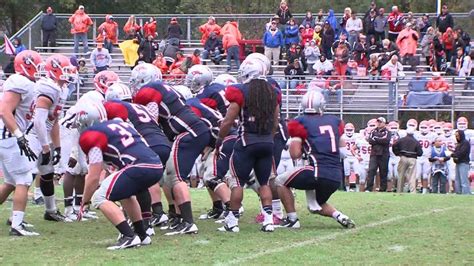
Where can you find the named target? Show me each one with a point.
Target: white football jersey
(48, 88)
(23, 112)
(350, 142)
(394, 138)
(364, 148)
(425, 141)
(449, 142)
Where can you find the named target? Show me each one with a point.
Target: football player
(449, 141)
(423, 166)
(351, 163)
(15, 152)
(318, 136)
(361, 151)
(393, 161)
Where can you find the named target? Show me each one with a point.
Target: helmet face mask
(198, 77)
(462, 123)
(59, 68)
(28, 63)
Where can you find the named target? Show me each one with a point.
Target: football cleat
(126, 242)
(184, 228)
(287, 223)
(146, 241)
(150, 231)
(24, 223)
(38, 201)
(268, 228)
(159, 219)
(212, 214)
(56, 217)
(346, 222)
(89, 215)
(21, 230)
(225, 228)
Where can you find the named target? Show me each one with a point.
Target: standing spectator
(174, 30)
(353, 27)
(345, 17)
(342, 40)
(230, 42)
(438, 55)
(19, 47)
(448, 43)
(373, 6)
(307, 34)
(213, 49)
(467, 69)
(317, 36)
(208, 27)
(311, 54)
(108, 33)
(147, 48)
(437, 83)
(341, 57)
(439, 167)
(407, 42)
(131, 28)
(379, 138)
(460, 156)
(392, 70)
(320, 19)
(369, 23)
(308, 19)
(328, 36)
(294, 74)
(423, 24)
(273, 42)
(291, 33)
(408, 149)
(48, 26)
(331, 19)
(80, 23)
(426, 42)
(171, 49)
(444, 20)
(284, 13)
(150, 28)
(395, 24)
(323, 66)
(100, 58)
(380, 24)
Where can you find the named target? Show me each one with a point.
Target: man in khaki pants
(408, 148)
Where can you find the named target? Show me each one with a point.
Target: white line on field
(319, 240)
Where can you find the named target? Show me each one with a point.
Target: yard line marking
(319, 240)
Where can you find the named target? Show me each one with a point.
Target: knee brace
(214, 183)
(47, 184)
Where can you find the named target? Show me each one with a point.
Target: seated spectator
(360, 51)
(466, 39)
(418, 82)
(213, 49)
(170, 50)
(323, 66)
(333, 86)
(174, 30)
(209, 27)
(311, 54)
(374, 67)
(82, 70)
(373, 46)
(426, 42)
(458, 42)
(100, 58)
(437, 83)
(307, 34)
(150, 28)
(309, 19)
(388, 50)
(176, 69)
(439, 167)
(327, 36)
(294, 74)
(456, 63)
(160, 63)
(291, 33)
(19, 47)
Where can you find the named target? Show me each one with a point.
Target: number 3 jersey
(120, 143)
(320, 135)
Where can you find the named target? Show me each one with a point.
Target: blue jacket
(291, 34)
(273, 41)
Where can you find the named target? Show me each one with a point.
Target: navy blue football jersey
(213, 95)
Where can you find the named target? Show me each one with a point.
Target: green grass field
(391, 229)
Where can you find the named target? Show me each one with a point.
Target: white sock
(336, 214)
(231, 220)
(267, 218)
(277, 210)
(425, 190)
(17, 218)
(37, 193)
(292, 216)
(357, 188)
(68, 210)
(347, 188)
(50, 203)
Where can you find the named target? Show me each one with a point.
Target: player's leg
(159, 216)
(426, 175)
(212, 182)
(347, 172)
(358, 170)
(279, 143)
(68, 189)
(37, 195)
(263, 168)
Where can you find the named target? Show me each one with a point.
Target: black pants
(49, 38)
(379, 36)
(379, 162)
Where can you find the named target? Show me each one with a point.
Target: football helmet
(59, 68)
(225, 80)
(93, 96)
(393, 126)
(424, 127)
(183, 91)
(438, 128)
(462, 123)
(412, 123)
(349, 129)
(448, 129)
(198, 77)
(89, 113)
(118, 91)
(313, 102)
(251, 69)
(104, 79)
(28, 63)
(142, 74)
(262, 58)
(372, 123)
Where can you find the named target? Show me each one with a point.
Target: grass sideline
(391, 229)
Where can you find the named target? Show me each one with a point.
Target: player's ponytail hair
(261, 104)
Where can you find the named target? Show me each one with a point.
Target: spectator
(391, 71)
(456, 63)
(423, 24)
(444, 20)
(379, 138)
(408, 149)
(307, 34)
(170, 50)
(360, 51)
(209, 27)
(460, 156)
(328, 36)
(19, 47)
(388, 50)
(83, 70)
(274, 19)
(80, 23)
(175, 68)
(131, 28)
(317, 34)
(195, 57)
(374, 67)
(426, 44)
(395, 24)
(150, 28)
(407, 42)
(49, 24)
(439, 167)
(448, 43)
(308, 19)
(437, 83)
(174, 30)
(100, 58)
(410, 19)
(213, 49)
(323, 66)
(284, 13)
(466, 39)
(458, 41)
(380, 24)
(294, 74)
(342, 40)
(320, 19)
(418, 82)
(147, 48)
(230, 42)
(369, 23)
(291, 33)
(343, 22)
(437, 52)
(374, 46)
(311, 54)
(353, 27)
(373, 6)
(108, 33)
(273, 42)
(332, 21)
(467, 69)
(333, 86)
(160, 62)
(341, 57)
(295, 52)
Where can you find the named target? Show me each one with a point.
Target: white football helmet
(118, 91)
(372, 123)
(412, 123)
(184, 91)
(198, 77)
(462, 123)
(448, 129)
(251, 69)
(349, 129)
(393, 126)
(89, 113)
(438, 128)
(424, 127)
(142, 74)
(313, 102)
(93, 96)
(225, 80)
(262, 58)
